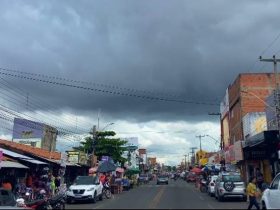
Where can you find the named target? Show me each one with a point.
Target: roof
(31, 150)
(21, 157)
(11, 164)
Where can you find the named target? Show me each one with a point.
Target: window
(275, 183)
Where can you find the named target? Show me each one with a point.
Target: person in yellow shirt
(252, 192)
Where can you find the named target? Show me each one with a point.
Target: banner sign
(73, 156)
(105, 158)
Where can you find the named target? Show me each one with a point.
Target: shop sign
(256, 155)
(105, 158)
(73, 157)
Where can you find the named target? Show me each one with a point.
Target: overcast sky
(184, 51)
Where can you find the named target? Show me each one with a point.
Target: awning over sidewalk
(22, 157)
(11, 164)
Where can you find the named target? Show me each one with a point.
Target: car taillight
(212, 184)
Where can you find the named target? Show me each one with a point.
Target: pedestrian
(259, 177)
(52, 185)
(253, 193)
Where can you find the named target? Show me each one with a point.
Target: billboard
(254, 123)
(34, 134)
(224, 106)
(26, 129)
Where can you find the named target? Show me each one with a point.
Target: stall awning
(22, 157)
(11, 164)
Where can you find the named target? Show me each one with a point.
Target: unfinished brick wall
(247, 94)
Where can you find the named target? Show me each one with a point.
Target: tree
(105, 145)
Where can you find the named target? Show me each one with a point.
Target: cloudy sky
(154, 68)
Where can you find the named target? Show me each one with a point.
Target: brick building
(247, 94)
(245, 99)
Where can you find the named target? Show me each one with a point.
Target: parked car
(143, 178)
(211, 185)
(230, 185)
(85, 188)
(271, 196)
(162, 179)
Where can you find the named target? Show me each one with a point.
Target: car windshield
(85, 180)
(161, 177)
(232, 178)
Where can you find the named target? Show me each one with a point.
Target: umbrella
(132, 171)
(106, 166)
(196, 170)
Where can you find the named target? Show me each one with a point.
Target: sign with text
(73, 156)
(105, 158)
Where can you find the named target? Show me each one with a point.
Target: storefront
(261, 151)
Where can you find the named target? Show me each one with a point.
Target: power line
(9, 88)
(108, 91)
(90, 83)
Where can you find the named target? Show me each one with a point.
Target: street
(177, 195)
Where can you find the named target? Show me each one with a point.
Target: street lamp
(107, 126)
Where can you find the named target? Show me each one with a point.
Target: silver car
(230, 185)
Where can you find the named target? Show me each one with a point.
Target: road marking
(157, 198)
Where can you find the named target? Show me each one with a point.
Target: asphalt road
(177, 195)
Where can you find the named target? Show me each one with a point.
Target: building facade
(243, 117)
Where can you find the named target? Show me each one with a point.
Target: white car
(271, 196)
(211, 185)
(85, 188)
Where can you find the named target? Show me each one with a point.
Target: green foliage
(105, 145)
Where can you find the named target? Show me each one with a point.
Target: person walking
(253, 193)
(259, 178)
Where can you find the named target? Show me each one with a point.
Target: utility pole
(185, 162)
(192, 152)
(93, 142)
(200, 136)
(276, 93)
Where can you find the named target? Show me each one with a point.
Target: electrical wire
(109, 92)
(10, 88)
(90, 83)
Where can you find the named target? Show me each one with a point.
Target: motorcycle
(58, 201)
(107, 190)
(203, 186)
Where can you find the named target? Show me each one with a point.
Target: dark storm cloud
(187, 48)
